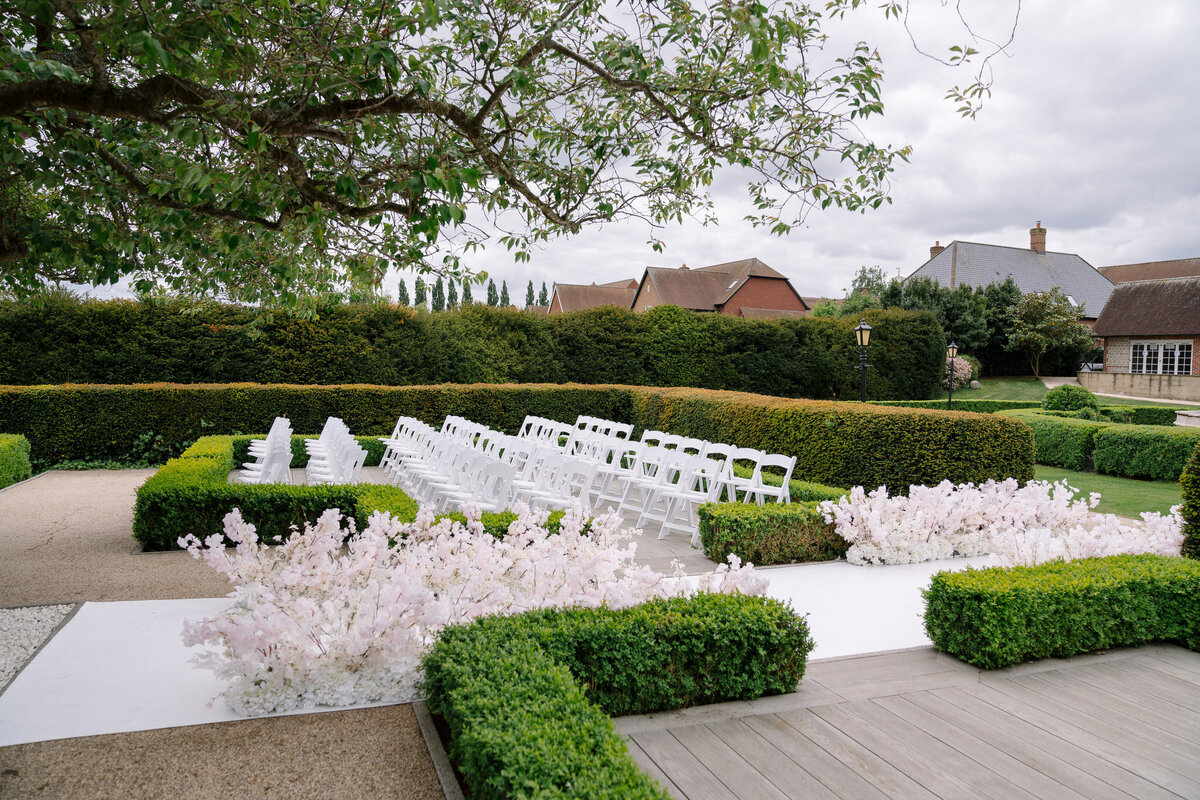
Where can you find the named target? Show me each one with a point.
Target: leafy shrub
(14, 459)
(1069, 398)
(1189, 482)
(836, 444)
(1157, 452)
(962, 373)
(517, 692)
(1061, 441)
(1002, 616)
(976, 366)
(768, 534)
(1140, 415)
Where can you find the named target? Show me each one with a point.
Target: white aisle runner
(121, 666)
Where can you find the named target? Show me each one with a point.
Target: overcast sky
(1092, 128)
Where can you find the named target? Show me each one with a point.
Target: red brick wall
(758, 292)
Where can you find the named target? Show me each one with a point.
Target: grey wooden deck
(919, 724)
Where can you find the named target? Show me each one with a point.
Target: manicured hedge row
(1061, 441)
(1002, 616)
(1157, 452)
(525, 697)
(768, 534)
(1140, 415)
(836, 444)
(14, 459)
(62, 340)
(192, 495)
(1189, 482)
(849, 444)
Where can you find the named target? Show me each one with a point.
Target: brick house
(747, 288)
(1151, 333)
(1034, 269)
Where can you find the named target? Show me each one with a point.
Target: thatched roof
(1152, 308)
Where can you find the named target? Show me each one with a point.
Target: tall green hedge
(836, 444)
(1189, 482)
(14, 459)
(64, 340)
(1061, 441)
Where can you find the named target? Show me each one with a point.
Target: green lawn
(1003, 389)
(1032, 389)
(1123, 496)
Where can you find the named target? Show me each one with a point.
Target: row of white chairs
(335, 456)
(272, 456)
(664, 477)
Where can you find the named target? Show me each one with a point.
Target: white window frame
(1158, 359)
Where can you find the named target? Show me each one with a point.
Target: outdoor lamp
(951, 352)
(863, 334)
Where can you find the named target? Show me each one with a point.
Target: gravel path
(22, 632)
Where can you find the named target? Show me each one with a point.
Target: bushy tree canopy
(1043, 321)
(271, 149)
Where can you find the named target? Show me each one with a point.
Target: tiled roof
(773, 313)
(699, 290)
(708, 288)
(982, 264)
(538, 309)
(1152, 270)
(576, 297)
(1152, 308)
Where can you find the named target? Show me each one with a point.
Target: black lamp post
(862, 334)
(951, 352)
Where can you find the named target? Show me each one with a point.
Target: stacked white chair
(335, 456)
(272, 456)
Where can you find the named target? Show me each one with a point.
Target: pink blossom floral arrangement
(1038, 522)
(334, 617)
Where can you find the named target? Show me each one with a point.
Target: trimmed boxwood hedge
(998, 617)
(768, 534)
(1156, 452)
(525, 697)
(1189, 482)
(836, 444)
(192, 494)
(14, 459)
(1061, 441)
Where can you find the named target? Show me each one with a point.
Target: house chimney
(1037, 238)
(685, 266)
(937, 248)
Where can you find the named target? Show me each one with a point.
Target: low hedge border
(192, 494)
(1154, 452)
(1189, 482)
(835, 444)
(769, 534)
(526, 697)
(998, 617)
(14, 459)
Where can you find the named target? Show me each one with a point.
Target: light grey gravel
(22, 632)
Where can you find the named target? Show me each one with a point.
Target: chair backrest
(496, 484)
(776, 460)
(652, 437)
